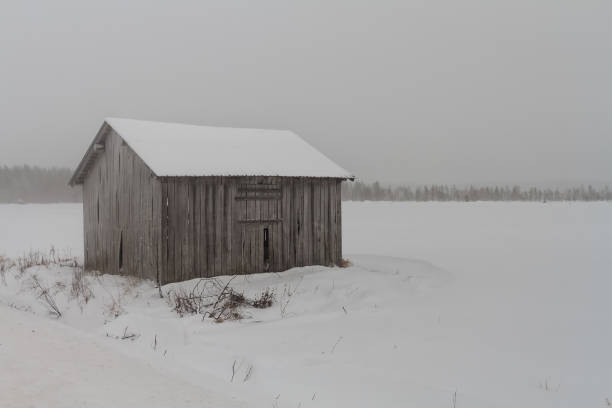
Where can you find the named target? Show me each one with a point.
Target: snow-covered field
(446, 305)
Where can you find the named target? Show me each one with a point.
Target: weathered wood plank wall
(214, 226)
(122, 213)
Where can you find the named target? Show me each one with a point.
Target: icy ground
(446, 304)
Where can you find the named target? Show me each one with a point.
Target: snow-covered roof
(172, 149)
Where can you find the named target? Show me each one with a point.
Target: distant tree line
(31, 184)
(359, 191)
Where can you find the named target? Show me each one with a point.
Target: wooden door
(256, 247)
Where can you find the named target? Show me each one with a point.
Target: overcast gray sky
(400, 91)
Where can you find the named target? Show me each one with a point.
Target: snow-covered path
(47, 364)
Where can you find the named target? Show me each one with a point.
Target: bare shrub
(265, 299)
(79, 287)
(197, 300)
(44, 293)
(184, 303)
(227, 308)
(220, 302)
(226, 304)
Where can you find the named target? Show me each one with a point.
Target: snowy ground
(490, 304)
(47, 364)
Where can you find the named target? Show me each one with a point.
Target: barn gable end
(122, 212)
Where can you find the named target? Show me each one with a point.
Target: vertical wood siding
(214, 226)
(122, 205)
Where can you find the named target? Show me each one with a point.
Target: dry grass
(125, 336)
(129, 285)
(345, 263)
(213, 299)
(5, 265)
(287, 295)
(39, 258)
(264, 300)
(248, 370)
(31, 259)
(114, 308)
(79, 287)
(46, 294)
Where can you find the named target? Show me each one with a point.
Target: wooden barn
(171, 202)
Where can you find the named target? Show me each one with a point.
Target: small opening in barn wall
(266, 243)
(121, 251)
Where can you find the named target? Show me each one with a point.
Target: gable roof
(174, 150)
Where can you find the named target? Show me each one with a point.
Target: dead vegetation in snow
(244, 367)
(213, 299)
(5, 265)
(46, 294)
(345, 263)
(40, 258)
(28, 271)
(80, 288)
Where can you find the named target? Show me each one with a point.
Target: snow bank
(298, 348)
